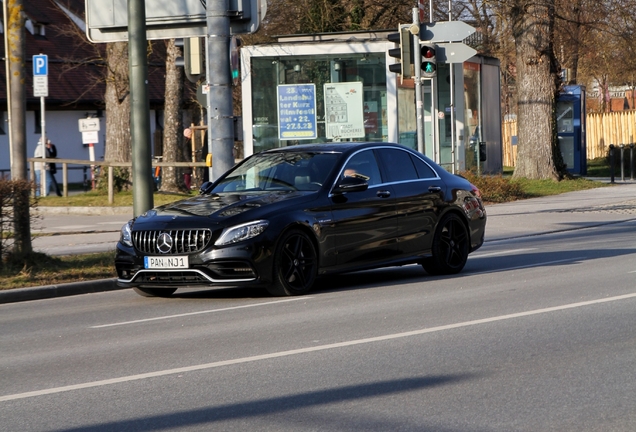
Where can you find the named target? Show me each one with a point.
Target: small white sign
(40, 86)
(344, 111)
(91, 137)
(89, 125)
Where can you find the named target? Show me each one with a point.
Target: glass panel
(407, 125)
(472, 132)
(423, 170)
(566, 144)
(444, 119)
(279, 171)
(363, 165)
(565, 117)
(398, 165)
(269, 72)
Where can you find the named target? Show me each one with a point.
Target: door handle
(383, 194)
(434, 189)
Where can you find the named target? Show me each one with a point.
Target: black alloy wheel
(295, 265)
(155, 292)
(450, 247)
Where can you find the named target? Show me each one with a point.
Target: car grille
(183, 241)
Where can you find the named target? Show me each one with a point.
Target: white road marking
(199, 312)
(293, 352)
(501, 253)
(526, 266)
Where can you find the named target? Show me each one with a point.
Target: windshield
(290, 171)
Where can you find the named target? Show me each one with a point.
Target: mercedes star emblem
(164, 243)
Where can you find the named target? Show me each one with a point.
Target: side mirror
(204, 187)
(351, 184)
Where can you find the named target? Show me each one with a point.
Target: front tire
(295, 265)
(450, 247)
(155, 292)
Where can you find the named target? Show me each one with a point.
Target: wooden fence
(103, 165)
(603, 129)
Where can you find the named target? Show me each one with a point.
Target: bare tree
(173, 120)
(16, 38)
(117, 98)
(539, 156)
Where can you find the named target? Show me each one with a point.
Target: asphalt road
(535, 335)
(64, 234)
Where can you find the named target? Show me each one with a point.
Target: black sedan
(282, 218)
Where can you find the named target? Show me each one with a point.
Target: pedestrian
(188, 134)
(39, 153)
(51, 152)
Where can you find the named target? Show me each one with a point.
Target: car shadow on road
(347, 281)
(289, 405)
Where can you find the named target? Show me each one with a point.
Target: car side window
(398, 165)
(423, 170)
(365, 166)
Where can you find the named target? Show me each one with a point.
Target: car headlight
(241, 232)
(126, 234)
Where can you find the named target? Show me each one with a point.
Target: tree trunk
(118, 146)
(538, 156)
(171, 181)
(16, 37)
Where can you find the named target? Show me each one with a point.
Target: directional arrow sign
(453, 52)
(445, 31)
(89, 124)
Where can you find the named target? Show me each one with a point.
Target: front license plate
(172, 262)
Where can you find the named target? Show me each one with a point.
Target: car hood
(216, 208)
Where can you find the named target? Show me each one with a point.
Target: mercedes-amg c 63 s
(280, 219)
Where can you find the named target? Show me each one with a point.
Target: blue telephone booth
(571, 128)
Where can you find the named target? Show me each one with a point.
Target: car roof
(343, 147)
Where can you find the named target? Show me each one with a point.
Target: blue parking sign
(40, 65)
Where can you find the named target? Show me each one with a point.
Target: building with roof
(75, 82)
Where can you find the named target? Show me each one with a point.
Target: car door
(364, 224)
(418, 192)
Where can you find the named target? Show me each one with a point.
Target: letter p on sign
(40, 65)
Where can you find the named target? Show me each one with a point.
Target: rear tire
(450, 247)
(295, 265)
(155, 292)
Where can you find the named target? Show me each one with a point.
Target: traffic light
(404, 52)
(429, 61)
(192, 60)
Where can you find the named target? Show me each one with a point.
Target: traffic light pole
(143, 186)
(220, 111)
(419, 104)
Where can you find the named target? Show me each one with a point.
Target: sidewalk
(565, 212)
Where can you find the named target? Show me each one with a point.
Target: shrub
(12, 193)
(495, 188)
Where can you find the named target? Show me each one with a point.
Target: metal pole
(611, 156)
(451, 67)
(622, 162)
(140, 108)
(434, 119)
(631, 161)
(43, 186)
(7, 74)
(220, 111)
(417, 63)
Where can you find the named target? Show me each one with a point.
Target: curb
(99, 211)
(60, 290)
